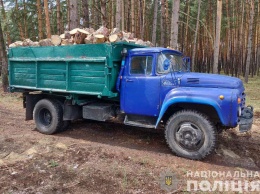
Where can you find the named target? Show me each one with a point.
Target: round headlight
(239, 111)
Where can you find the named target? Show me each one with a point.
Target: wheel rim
(45, 117)
(189, 136)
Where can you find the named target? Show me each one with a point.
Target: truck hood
(209, 81)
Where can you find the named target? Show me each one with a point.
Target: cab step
(140, 121)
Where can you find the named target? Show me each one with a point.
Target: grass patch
(252, 93)
(9, 98)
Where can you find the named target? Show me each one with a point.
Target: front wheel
(190, 134)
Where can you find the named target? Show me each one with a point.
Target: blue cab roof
(153, 50)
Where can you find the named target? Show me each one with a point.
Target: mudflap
(29, 101)
(246, 119)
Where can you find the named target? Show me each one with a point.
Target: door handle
(129, 80)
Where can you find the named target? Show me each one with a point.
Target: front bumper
(245, 121)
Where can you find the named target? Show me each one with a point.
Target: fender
(199, 96)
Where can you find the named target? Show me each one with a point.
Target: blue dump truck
(135, 85)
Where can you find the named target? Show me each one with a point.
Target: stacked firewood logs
(85, 36)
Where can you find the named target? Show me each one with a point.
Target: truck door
(141, 87)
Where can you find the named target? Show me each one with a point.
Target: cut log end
(56, 40)
(89, 39)
(62, 36)
(113, 38)
(79, 38)
(67, 42)
(99, 38)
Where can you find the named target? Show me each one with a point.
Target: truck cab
(158, 89)
(138, 86)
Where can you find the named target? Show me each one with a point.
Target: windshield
(176, 63)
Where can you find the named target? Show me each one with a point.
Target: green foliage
(25, 13)
(53, 163)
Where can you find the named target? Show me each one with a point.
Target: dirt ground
(95, 157)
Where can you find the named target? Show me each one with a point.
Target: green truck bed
(78, 69)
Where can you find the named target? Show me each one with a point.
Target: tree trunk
(141, 19)
(95, 13)
(85, 6)
(255, 38)
(234, 49)
(25, 20)
(6, 23)
(137, 22)
(236, 45)
(112, 14)
(73, 9)
(217, 39)
(174, 24)
(155, 22)
(250, 36)
(123, 15)
(20, 27)
(47, 18)
(143, 7)
(168, 23)
(39, 13)
(132, 17)
(163, 23)
(118, 13)
(3, 56)
(258, 43)
(227, 48)
(195, 38)
(187, 27)
(211, 25)
(68, 14)
(58, 17)
(245, 34)
(104, 13)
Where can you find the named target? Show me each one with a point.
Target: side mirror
(166, 64)
(124, 52)
(186, 62)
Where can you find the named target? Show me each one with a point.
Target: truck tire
(47, 115)
(190, 134)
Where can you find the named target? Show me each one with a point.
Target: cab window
(176, 63)
(141, 65)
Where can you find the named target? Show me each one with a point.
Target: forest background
(220, 36)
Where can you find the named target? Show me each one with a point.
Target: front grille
(243, 100)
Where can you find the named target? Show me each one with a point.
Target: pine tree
(217, 37)
(47, 18)
(73, 14)
(175, 24)
(3, 56)
(39, 14)
(250, 37)
(155, 22)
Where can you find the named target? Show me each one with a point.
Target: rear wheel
(190, 134)
(48, 115)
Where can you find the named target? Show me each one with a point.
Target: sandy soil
(95, 157)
